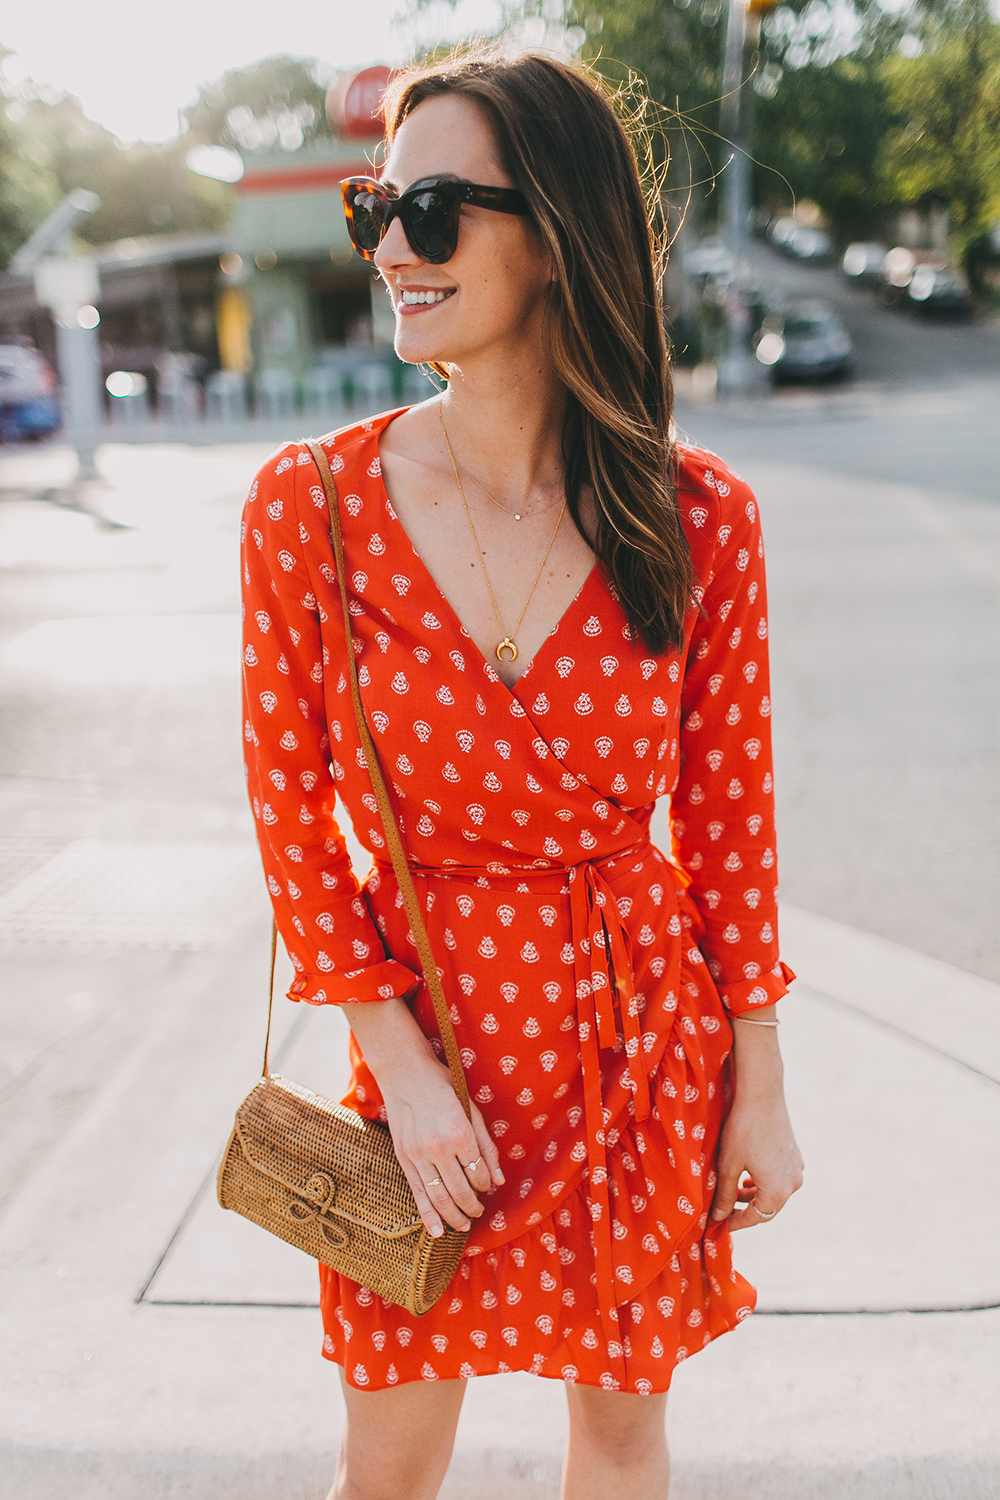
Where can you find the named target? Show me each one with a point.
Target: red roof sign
(355, 105)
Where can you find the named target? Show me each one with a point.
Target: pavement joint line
(771, 1312)
(856, 1010)
(860, 1311)
(61, 1044)
(141, 1299)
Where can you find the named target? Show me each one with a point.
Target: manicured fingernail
(719, 1213)
(499, 1178)
(437, 1231)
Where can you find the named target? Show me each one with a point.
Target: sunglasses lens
(368, 225)
(428, 225)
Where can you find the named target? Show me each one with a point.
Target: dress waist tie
(607, 1007)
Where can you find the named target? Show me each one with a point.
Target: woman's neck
(505, 425)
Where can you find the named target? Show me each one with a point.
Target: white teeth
(411, 298)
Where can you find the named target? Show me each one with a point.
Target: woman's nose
(395, 250)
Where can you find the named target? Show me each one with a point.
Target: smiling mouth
(426, 296)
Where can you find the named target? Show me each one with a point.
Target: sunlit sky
(133, 66)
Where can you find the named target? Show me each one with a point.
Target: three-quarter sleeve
(319, 907)
(722, 809)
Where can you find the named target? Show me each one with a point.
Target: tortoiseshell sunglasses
(428, 211)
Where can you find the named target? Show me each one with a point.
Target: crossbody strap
(404, 878)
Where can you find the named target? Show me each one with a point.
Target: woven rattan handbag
(316, 1173)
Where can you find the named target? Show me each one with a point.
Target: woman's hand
(444, 1155)
(757, 1137)
(447, 1158)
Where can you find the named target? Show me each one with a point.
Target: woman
(559, 616)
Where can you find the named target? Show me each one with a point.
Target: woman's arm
(431, 1135)
(324, 922)
(757, 1137)
(335, 948)
(723, 822)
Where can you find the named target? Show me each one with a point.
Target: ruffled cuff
(751, 994)
(381, 981)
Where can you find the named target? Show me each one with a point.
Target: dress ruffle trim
(380, 981)
(751, 994)
(519, 1307)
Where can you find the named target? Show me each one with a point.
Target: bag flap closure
(336, 1163)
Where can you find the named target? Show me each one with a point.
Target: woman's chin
(414, 350)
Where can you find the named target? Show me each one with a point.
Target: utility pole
(738, 370)
(68, 285)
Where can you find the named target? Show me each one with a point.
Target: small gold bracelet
(754, 1023)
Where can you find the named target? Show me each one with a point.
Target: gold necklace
(507, 644)
(515, 513)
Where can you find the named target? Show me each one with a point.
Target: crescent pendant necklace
(507, 645)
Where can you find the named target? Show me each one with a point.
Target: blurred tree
(819, 135)
(145, 189)
(814, 94)
(279, 101)
(944, 89)
(29, 188)
(48, 147)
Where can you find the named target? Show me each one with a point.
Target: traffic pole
(738, 369)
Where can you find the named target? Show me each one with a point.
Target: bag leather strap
(411, 903)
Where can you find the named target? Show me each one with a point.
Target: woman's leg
(397, 1443)
(617, 1446)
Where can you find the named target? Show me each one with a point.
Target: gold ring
(434, 1182)
(761, 1214)
(473, 1164)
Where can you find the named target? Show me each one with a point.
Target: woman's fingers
(429, 1216)
(435, 1200)
(757, 1210)
(727, 1193)
(489, 1163)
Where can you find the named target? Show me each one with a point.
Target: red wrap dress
(590, 974)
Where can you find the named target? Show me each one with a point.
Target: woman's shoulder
(351, 450)
(716, 504)
(706, 480)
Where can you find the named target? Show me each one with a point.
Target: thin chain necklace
(507, 644)
(518, 515)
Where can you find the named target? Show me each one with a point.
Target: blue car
(29, 405)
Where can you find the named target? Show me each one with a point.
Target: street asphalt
(151, 1345)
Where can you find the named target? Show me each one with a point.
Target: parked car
(800, 241)
(932, 290)
(862, 262)
(898, 270)
(779, 231)
(809, 244)
(29, 405)
(804, 341)
(710, 258)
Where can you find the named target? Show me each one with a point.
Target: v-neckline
(459, 628)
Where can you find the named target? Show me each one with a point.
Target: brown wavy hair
(565, 147)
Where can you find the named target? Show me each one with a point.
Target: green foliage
(29, 189)
(839, 114)
(279, 101)
(819, 136)
(48, 147)
(816, 113)
(144, 189)
(946, 139)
